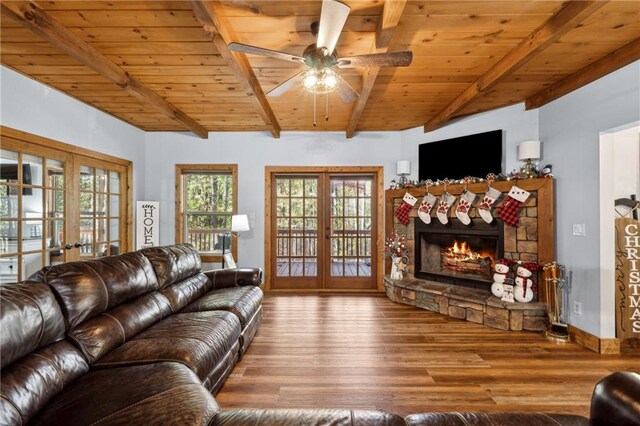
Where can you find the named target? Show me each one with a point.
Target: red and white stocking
(446, 200)
(489, 199)
(464, 205)
(402, 212)
(511, 206)
(424, 211)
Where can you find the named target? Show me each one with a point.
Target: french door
(323, 230)
(57, 205)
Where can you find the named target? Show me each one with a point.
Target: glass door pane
(101, 218)
(296, 237)
(350, 232)
(32, 210)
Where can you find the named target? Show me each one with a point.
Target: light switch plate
(579, 230)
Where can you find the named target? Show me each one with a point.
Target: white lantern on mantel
(403, 169)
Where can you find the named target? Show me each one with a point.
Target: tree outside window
(207, 200)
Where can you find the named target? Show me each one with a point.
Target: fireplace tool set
(555, 282)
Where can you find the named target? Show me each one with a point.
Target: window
(206, 198)
(59, 204)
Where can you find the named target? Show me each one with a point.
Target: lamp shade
(239, 223)
(403, 167)
(529, 150)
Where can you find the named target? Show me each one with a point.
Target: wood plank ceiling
(457, 45)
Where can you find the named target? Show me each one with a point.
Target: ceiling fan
(322, 59)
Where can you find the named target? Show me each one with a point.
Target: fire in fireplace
(461, 258)
(458, 254)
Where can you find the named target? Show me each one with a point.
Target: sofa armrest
(616, 400)
(237, 277)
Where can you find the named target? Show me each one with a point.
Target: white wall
(570, 128)
(35, 108)
(619, 178)
(252, 151)
(518, 125)
(626, 171)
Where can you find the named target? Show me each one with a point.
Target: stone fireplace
(531, 241)
(450, 270)
(458, 254)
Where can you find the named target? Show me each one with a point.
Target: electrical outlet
(579, 230)
(577, 308)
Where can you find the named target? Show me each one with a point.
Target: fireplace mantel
(536, 218)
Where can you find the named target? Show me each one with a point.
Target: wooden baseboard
(594, 343)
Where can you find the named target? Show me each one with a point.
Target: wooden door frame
(76, 152)
(378, 239)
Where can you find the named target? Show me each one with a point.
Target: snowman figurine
(523, 291)
(497, 288)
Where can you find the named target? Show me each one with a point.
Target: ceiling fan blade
(346, 92)
(253, 50)
(390, 59)
(332, 19)
(285, 85)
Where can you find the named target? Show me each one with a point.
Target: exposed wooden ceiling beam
(570, 15)
(391, 13)
(38, 21)
(213, 22)
(617, 59)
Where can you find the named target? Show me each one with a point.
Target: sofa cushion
(36, 362)
(173, 263)
(198, 340)
(243, 302)
(88, 288)
(183, 292)
(27, 385)
(492, 419)
(101, 334)
(307, 417)
(36, 311)
(163, 393)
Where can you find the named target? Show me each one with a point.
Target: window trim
(184, 169)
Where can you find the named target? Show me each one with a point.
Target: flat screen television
(473, 155)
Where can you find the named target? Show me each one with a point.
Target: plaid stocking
(402, 213)
(510, 207)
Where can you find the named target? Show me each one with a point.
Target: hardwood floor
(366, 352)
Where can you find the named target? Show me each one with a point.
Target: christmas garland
(514, 175)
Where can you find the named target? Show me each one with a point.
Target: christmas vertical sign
(627, 278)
(147, 224)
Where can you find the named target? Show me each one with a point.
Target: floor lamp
(239, 223)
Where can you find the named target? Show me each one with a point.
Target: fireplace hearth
(458, 254)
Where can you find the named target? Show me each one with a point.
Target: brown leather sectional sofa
(147, 338)
(143, 337)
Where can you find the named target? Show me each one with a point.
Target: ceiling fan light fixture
(320, 80)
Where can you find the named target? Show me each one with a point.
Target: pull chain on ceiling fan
(322, 59)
